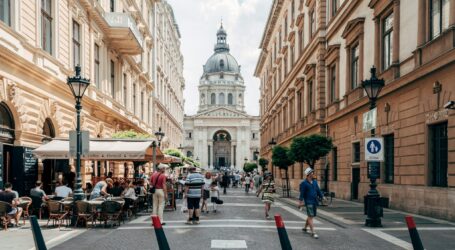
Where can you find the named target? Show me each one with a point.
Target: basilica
(221, 135)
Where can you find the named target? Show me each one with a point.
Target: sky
(199, 20)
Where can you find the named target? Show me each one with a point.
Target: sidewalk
(22, 237)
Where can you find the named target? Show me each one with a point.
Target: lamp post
(78, 85)
(272, 143)
(159, 136)
(372, 204)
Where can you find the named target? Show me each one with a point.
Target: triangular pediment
(222, 112)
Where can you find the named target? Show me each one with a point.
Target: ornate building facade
(168, 76)
(40, 44)
(315, 55)
(221, 134)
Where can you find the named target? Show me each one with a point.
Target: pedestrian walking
(159, 190)
(194, 188)
(257, 179)
(206, 192)
(309, 193)
(268, 190)
(247, 183)
(225, 182)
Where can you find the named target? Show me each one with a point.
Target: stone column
(40, 169)
(102, 169)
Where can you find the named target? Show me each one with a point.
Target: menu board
(1, 165)
(30, 169)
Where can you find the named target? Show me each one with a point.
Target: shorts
(214, 199)
(311, 210)
(15, 210)
(206, 194)
(193, 203)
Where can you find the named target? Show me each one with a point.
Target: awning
(102, 149)
(171, 159)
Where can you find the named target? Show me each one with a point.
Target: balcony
(123, 33)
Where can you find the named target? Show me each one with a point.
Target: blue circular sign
(374, 147)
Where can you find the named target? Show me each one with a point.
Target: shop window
(356, 152)
(439, 154)
(389, 158)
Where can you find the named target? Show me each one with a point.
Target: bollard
(37, 235)
(284, 239)
(159, 232)
(415, 238)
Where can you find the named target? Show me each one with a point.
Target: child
(214, 194)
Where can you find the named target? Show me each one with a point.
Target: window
(439, 17)
(312, 22)
(149, 105)
(142, 105)
(354, 66)
(389, 158)
(310, 97)
(356, 152)
(301, 42)
(292, 55)
(213, 99)
(300, 104)
(112, 6)
(221, 99)
(387, 41)
(97, 65)
(125, 89)
(76, 44)
(134, 98)
(334, 6)
(439, 154)
(5, 11)
(112, 78)
(230, 99)
(189, 135)
(46, 25)
(335, 164)
(285, 26)
(292, 9)
(254, 135)
(333, 81)
(279, 40)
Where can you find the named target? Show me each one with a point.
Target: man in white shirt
(63, 190)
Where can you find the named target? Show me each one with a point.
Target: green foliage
(280, 157)
(192, 162)
(175, 153)
(309, 149)
(130, 134)
(263, 162)
(249, 167)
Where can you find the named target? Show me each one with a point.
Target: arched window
(221, 99)
(48, 128)
(189, 154)
(213, 99)
(230, 99)
(6, 124)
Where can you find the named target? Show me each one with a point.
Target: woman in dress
(267, 189)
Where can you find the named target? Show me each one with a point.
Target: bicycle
(327, 199)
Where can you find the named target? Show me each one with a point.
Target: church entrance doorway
(222, 149)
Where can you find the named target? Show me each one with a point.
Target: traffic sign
(369, 120)
(374, 149)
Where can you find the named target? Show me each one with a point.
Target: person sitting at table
(117, 190)
(100, 188)
(38, 192)
(63, 190)
(10, 197)
(129, 192)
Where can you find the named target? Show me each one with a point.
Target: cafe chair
(25, 205)
(111, 211)
(84, 213)
(4, 218)
(56, 214)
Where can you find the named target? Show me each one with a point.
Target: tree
(130, 134)
(249, 167)
(175, 153)
(263, 163)
(280, 158)
(309, 149)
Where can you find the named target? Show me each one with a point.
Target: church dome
(221, 62)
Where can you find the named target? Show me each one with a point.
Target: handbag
(219, 202)
(152, 189)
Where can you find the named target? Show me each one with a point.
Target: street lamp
(78, 85)
(159, 136)
(272, 143)
(372, 204)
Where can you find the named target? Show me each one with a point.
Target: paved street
(240, 222)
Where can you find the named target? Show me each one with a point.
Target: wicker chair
(111, 211)
(4, 218)
(37, 205)
(85, 213)
(25, 207)
(56, 214)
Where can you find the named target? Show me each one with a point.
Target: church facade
(221, 135)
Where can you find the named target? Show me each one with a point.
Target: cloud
(198, 20)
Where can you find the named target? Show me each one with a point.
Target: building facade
(315, 55)
(168, 76)
(221, 135)
(40, 44)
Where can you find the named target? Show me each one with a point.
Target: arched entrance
(222, 149)
(7, 137)
(51, 168)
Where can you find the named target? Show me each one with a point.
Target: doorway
(222, 149)
(355, 183)
(222, 162)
